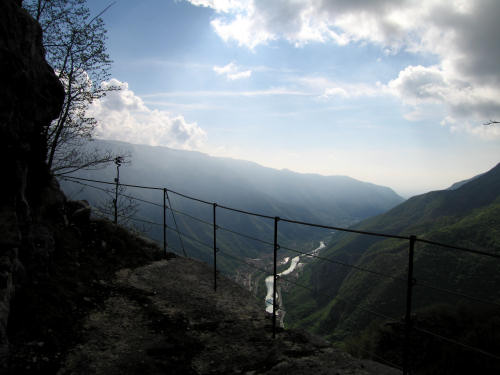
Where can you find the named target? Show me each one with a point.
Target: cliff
(30, 98)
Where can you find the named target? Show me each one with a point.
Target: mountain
(458, 184)
(343, 298)
(335, 200)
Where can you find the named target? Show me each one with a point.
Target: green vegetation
(468, 216)
(473, 326)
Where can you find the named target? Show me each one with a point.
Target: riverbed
(293, 265)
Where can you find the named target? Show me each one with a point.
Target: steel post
(275, 274)
(215, 246)
(409, 296)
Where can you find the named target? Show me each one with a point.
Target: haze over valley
(334, 200)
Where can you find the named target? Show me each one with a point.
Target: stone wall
(30, 98)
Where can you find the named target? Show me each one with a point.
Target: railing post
(409, 295)
(215, 247)
(275, 274)
(164, 222)
(118, 161)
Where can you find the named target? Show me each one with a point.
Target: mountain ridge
(244, 185)
(233, 165)
(468, 216)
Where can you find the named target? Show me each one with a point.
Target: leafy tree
(75, 47)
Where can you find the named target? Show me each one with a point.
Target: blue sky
(390, 92)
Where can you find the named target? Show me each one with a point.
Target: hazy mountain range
(333, 200)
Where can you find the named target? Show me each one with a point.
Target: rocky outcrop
(165, 318)
(30, 98)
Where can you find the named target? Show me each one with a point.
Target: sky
(391, 92)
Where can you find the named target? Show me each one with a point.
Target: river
(269, 280)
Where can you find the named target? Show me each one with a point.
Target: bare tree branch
(75, 47)
(491, 122)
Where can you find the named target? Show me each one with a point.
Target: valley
(336, 200)
(363, 277)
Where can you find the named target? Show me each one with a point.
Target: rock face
(30, 98)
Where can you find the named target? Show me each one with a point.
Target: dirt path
(165, 318)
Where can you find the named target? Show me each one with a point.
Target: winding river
(293, 264)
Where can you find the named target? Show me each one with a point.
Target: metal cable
(189, 237)
(443, 290)
(469, 347)
(245, 235)
(346, 230)
(246, 212)
(345, 264)
(134, 218)
(114, 183)
(479, 252)
(83, 184)
(340, 299)
(110, 192)
(141, 200)
(190, 216)
(242, 261)
(165, 191)
(189, 197)
(142, 220)
(385, 235)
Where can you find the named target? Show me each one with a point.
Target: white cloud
(123, 116)
(335, 91)
(328, 89)
(232, 72)
(461, 34)
(221, 5)
(273, 91)
(418, 86)
(253, 22)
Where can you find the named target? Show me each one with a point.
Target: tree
(75, 47)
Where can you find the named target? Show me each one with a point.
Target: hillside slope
(467, 216)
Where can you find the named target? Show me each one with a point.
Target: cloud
(273, 91)
(123, 116)
(328, 89)
(335, 91)
(254, 22)
(461, 35)
(232, 72)
(418, 86)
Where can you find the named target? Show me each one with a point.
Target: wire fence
(409, 282)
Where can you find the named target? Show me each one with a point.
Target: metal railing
(409, 281)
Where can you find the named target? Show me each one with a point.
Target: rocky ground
(112, 303)
(165, 318)
(49, 307)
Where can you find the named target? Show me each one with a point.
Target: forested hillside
(468, 216)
